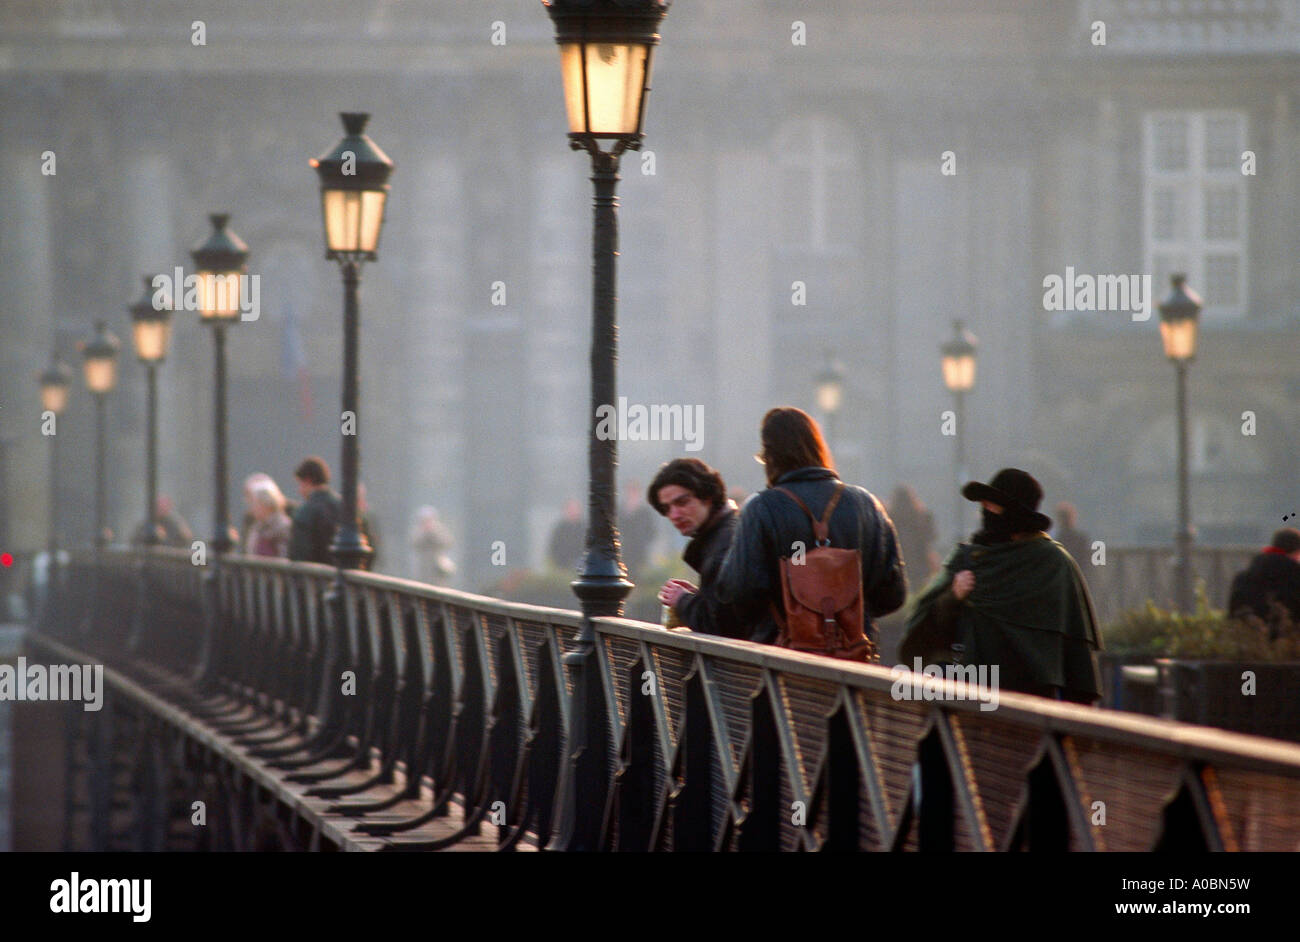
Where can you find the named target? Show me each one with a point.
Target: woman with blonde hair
(269, 533)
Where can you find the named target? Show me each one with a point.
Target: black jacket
(704, 553)
(314, 523)
(1269, 577)
(770, 524)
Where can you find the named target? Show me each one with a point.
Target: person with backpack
(819, 555)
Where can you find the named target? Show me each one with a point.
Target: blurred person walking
(168, 527)
(431, 541)
(269, 533)
(1067, 533)
(916, 532)
(567, 537)
(317, 517)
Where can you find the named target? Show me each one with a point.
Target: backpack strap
(821, 528)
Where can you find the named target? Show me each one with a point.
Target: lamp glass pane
(372, 217)
(151, 339)
(54, 398)
(959, 373)
(571, 67)
(218, 295)
(101, 374)
(616, 74)
(1179, 337)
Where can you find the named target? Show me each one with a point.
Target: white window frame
(806, 146)
(1191, 184)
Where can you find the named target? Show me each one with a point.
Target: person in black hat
(1012, 598)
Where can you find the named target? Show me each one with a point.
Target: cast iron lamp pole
(100, 353)
(957, 358)
(1179, 315)
(151, 328)
(152, 331)
(606, 55)
(55, 385)
(222, 264)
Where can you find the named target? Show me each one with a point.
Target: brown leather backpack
(822, 596)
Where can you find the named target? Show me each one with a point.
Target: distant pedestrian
(432, 542)
(916, 533)
(317, 517)
(636, 529)
(367, 525)
(169, 529)
(775, 525)
(1012, 599)
(1269, 587)
(568, 537)
(693, 498)
(269, 533)
(1067, 533)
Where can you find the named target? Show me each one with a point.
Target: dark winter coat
(314, 523)
(1271, 576)
(771, 523)
(702, 611)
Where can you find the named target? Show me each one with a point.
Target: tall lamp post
(830, 394)
(221, 263)
(957, 358)
(151, 326)
(354, 193)
(100, 362)
(606, 57)
(1179, 317)
(152, 331)
(56, 382)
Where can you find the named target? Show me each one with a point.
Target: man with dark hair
(1012, 599)
(773, 525)
(317, 517)
(693, 498)
(1270, 586)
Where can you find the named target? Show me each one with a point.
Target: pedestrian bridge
(261, 704)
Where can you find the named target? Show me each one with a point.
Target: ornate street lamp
(1179, 316)
(957, 359)
(152, 329)
(606, 55)
(354, 193)
(100, 362)
(221, 263)
(56, 382)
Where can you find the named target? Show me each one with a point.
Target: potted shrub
(1206, 667)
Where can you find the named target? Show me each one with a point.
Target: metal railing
(699, 743)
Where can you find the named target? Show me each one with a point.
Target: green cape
(1029, 613)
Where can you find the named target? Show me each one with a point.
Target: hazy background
(774, 162)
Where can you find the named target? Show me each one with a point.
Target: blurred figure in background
(916, 533)
(431, 540)
(367, 524)
(168, 527)
(568, 538)
(269, 533)
(636, 529)
(1075, 541)
(252, 483)
(317, 517)
(1269, 587)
